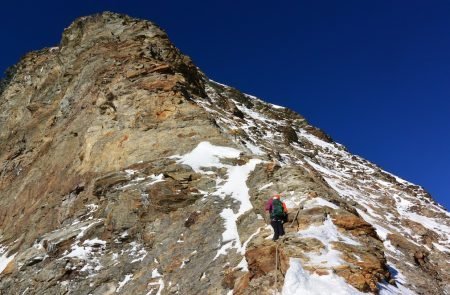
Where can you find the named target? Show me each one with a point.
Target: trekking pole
(296, 215)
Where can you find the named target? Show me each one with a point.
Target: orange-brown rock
(367, 266)
(356, 225)
(10, 268)
(261, 259)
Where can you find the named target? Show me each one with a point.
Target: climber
(278, 215)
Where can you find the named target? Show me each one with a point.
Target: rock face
(124, 169)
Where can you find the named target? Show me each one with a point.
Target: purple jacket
(269, 205)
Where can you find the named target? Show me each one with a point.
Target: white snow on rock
(265, 186)
(89, 252)
(400, 289)
(149, 180)
(160, 284)
(326, 233)
(206, 155)
(318, 202)
(235, 185)
(84, 229)
(254, 149)
(4, 259)
(155, 273)
(122, 283)
(300, 282)
(136, 252)
(155, 179)
(95, 243)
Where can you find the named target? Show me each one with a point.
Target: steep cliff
(124, 169)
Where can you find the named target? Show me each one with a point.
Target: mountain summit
(124, 169)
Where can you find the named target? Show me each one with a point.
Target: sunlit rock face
(124, 169)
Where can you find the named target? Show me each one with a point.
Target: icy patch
(299, 282)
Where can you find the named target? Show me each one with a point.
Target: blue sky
(375, 75)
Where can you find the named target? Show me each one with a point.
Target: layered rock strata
(124, 169)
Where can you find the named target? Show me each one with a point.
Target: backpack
(277, 210)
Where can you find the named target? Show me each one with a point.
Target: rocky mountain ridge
(124, 169)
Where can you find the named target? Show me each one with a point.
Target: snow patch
(4, 259)
(156, 274)
(326, 233)
(159, 283)
(300, 282)
(124, 282)
(319, 202)
(207, 155)
(254, 149)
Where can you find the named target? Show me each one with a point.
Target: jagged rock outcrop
(124, 169)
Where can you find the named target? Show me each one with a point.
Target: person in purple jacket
(278, 213)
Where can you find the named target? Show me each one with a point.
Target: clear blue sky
(375, 75)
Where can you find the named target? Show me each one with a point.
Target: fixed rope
(276, 269)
